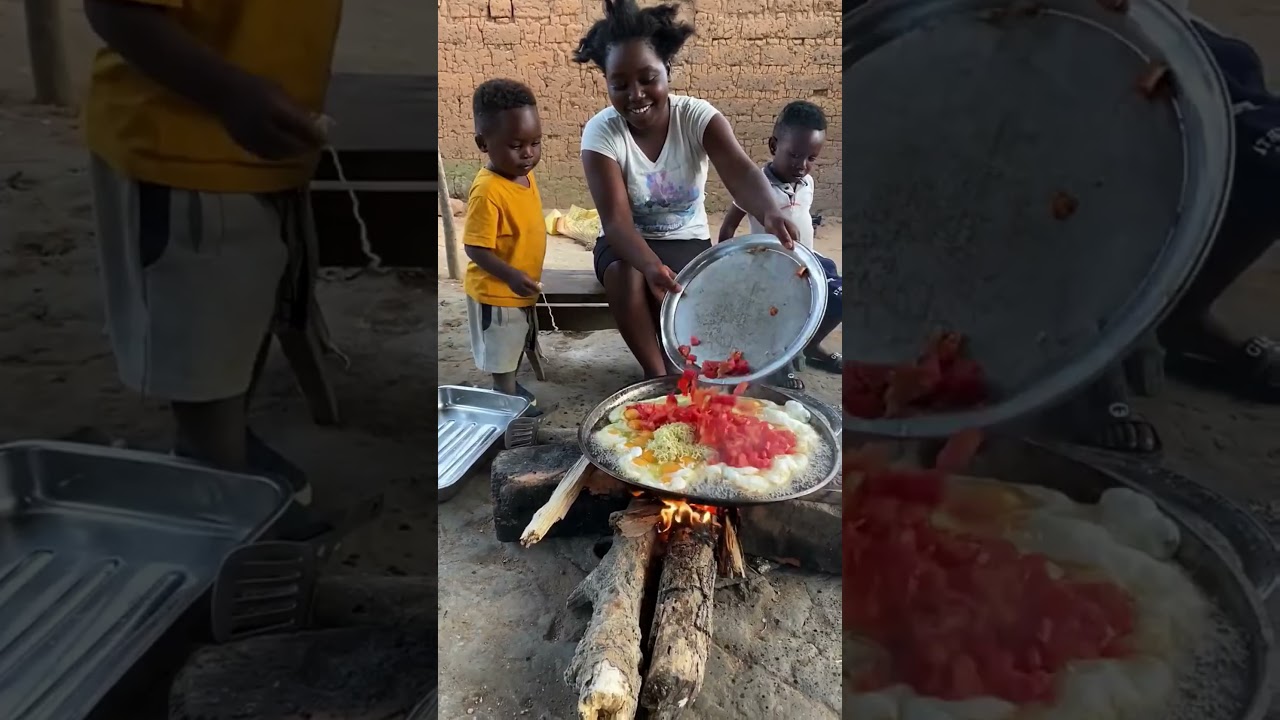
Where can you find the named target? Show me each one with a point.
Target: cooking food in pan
(974, 599)
(700, 437)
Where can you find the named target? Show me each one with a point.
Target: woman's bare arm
(609, 191)
(744, 181)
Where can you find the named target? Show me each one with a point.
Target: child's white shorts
(194, 281)
(499, 335)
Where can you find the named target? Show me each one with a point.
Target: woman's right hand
(660, 279)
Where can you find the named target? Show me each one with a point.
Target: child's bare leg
(814, 349)
(505, 383)
(213, 432)
(819, 357)
(814, 354)
(258, 454)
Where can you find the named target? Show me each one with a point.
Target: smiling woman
(645, 158)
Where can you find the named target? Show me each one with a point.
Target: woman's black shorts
(675, 254)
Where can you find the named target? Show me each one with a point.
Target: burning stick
(558, 506)
(732, 564)
(605, 668)
(681, 632)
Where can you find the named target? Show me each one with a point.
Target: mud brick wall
(748, 59)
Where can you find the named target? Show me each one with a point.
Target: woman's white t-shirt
(668, 196)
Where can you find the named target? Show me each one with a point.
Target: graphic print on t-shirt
(663, 204)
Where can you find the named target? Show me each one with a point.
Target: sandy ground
(503, 643)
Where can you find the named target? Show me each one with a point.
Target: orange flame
(679, 512)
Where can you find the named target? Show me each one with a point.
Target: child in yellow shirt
(504, 234)
(200, 119)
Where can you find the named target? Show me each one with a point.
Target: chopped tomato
(964, 616)
(683, 350)
(735, 365)
(731, 366)
(688, 380)
(737, 439)
(942, 378)
(773, 311)
(959, 451)
(694, 341)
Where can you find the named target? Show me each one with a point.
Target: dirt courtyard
(503, 642)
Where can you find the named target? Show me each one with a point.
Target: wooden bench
(572, 300)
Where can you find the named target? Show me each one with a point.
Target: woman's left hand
(781, 228)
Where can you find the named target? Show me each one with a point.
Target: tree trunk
(605, 669)
(682, 621)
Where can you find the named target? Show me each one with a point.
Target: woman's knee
(623, 281)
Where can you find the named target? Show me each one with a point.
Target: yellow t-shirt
(505, 217)
(151, 134)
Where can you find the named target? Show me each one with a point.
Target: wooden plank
(452, 248)
(576, 318)
(385, 137)
(572, 283)
(377, 112)
(384, 128)
(576, 299)
(48, 52)
(395, 222)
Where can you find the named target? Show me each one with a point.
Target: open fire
(679, 512)
(651, 597)
(688, 546)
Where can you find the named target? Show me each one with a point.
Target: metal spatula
(267, 587)
(264, 588)
(521, 432)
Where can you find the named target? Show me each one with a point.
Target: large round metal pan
(823, 467)
(963, 130)
(830, 414)
(750, 295)
(1226, 552)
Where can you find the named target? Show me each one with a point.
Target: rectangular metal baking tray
(469, 422)
(101, 551)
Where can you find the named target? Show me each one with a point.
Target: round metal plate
(746, 294)
(961, 132)
(822, 470)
